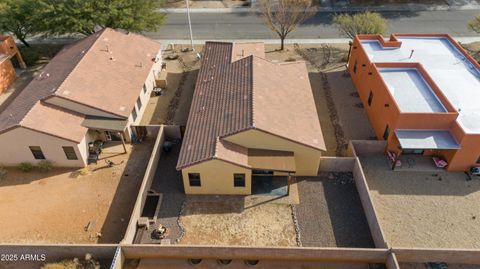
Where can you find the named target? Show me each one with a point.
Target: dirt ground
(181, 78)
(330, 213)
(56, 206)
(473, 49)
(420, 209)
(210, 220)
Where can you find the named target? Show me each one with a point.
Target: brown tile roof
(55, 121)
(111, 75)
(46, 83)
(249, 93)
(89, 73)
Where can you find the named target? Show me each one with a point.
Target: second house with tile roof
(95, 88)
(250, 120)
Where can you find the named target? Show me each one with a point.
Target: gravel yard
(227, 220)
(351, 115)
(420, 209)
(330, 213)
(168, 183)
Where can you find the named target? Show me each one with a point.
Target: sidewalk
(166, 42)
(326, 6)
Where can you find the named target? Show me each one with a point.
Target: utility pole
(190, 25)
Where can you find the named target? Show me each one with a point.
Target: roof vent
(122, 108)
(112, 58)
(139, 64)
(66, 92)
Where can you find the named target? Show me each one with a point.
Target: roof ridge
(100, 33)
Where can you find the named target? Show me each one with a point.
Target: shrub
(360, 23)
(25, 167)
(45, 165)
(3, 174)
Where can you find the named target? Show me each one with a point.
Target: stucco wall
(367, 203)
(306, 159)
(216, 177)
(336, 164)
(146, 183)
(7, 75)
(15, 143)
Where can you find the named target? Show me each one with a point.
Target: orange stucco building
(8, 50)
(421, 94)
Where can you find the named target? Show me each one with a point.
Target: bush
(360, 23)
(45, 166)
(25, 167)
(3, 174)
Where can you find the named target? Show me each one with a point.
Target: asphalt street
(217, 26)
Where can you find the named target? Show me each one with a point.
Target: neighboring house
(421, 94)
(93, 89)
(249, 117)
(8, 50)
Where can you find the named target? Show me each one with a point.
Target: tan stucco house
(249, 118)
(95, 88)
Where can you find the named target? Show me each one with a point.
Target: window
(355, 67)
(386, 133)
(412, 151)
(239, 180)
(139, 103)
(370, 98)
(134, 114)
(194, 179)
(144, 88)
(37, 153)
(70, 153)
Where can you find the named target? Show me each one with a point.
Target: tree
(84, 16)
(283, 16)
(360, 23)
(474, 24)
(22, 18)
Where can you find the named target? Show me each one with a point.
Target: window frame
(67, 154)
(34, 149)
(370, 98)
(194, 176)
(386, 133)
(144, 88)
(239, 176)
(139, 103)
(134, 114)
(355, 67)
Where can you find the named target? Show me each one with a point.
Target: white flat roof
(410, 90)
(426, 139)
(456, 77)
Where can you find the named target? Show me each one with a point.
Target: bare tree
(283, 16)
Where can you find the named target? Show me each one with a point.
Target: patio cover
(262, 159)
(104, 124)
(426, 139)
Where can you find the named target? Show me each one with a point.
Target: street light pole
(190, 25)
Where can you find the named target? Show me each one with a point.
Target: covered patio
(422, 150)
(107, 129)
(271, 173)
